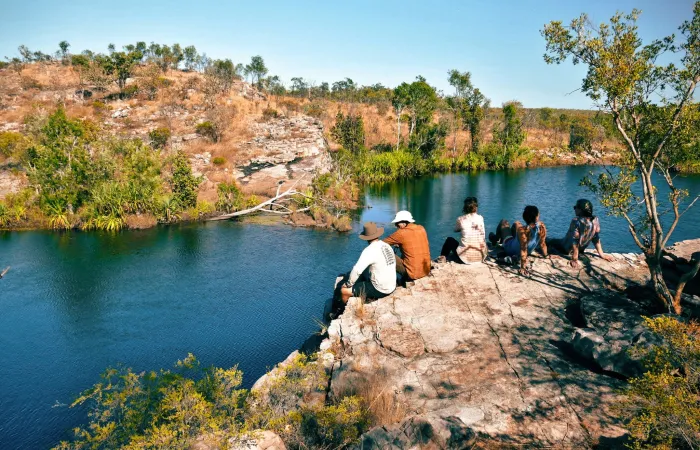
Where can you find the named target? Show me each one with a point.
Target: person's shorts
(366, 289)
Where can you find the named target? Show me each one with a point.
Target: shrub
(165, 409)
(581, 136)
(315, 109)
(11, 143)
(662, 405)
(29, 83)
(100, 108)
(349, 131)
(269, 114)
(230, 199)
(130, 91)
(382, 148)
(159, 137)
(218, 160)
(184, 184)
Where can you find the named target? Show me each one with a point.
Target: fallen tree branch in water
(2, 274)
(271, 203)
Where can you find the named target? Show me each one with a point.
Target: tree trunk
(662, 292)
(398, 128)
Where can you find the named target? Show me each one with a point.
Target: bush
(349, 131)
(184, 184)
(581, 136)
(12, 143)
(159, 137)
(315, 109)
(165, 409)
(218, 160)
(662, 406)
(269, 114)
(390, 166)
(29, 83)
(230, 199)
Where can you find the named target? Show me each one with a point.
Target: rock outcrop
(479, 353)
(283, 150)
(613, 325)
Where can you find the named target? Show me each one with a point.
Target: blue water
(231, 293)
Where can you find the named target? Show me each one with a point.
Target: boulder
(614, 325)
(429, 431)
(259, 440)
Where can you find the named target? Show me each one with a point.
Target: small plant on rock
(159, 137)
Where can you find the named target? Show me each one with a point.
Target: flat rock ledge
(477, 353)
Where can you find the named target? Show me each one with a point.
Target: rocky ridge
(479, 353)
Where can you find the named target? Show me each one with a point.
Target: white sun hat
(403, 216)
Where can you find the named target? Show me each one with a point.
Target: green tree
(221, 73)
(299, 86)
(59, 164)
(190, 55)
(651, 105)
(183, 183)
(256, 69)
(469, 106)
(63, 48)
(120, 65)
(349, 131)
(511, 136)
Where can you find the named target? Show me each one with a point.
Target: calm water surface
(231, 293)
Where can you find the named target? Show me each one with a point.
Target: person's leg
(449, 246)
(401, 268)
(514, 228)
(502, 231)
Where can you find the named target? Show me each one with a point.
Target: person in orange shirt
(412, 240)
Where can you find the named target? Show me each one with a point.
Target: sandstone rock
(426, 432)
(121, 113)
(260, 440)
(615, 325)
(486, 346)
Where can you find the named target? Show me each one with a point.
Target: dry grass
(381, 399)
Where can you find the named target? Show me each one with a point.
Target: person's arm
(575, 237)
(543, 240)
(394, 238)
(574, 256)
(596, 241)
(601, 253)
(522, 238)
(362, 263)
(458, 226)
(482, 246)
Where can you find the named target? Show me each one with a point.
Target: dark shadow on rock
(313, 343)
(569, 354)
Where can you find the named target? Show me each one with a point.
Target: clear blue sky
(368, 41)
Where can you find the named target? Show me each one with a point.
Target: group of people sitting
(375, 273)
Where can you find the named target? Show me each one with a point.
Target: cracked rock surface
(481, 347)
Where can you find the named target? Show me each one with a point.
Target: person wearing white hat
(412, 240)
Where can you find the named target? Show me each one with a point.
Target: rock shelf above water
(479, 350)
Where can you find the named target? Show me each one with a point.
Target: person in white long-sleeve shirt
(379, 258)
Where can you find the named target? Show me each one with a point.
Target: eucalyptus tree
(256, 69)
(652, 106)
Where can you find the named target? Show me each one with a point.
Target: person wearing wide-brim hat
(374, 274)
(412, 240)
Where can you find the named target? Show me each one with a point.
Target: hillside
(239, 135)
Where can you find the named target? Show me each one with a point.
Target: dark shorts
(366, 289)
